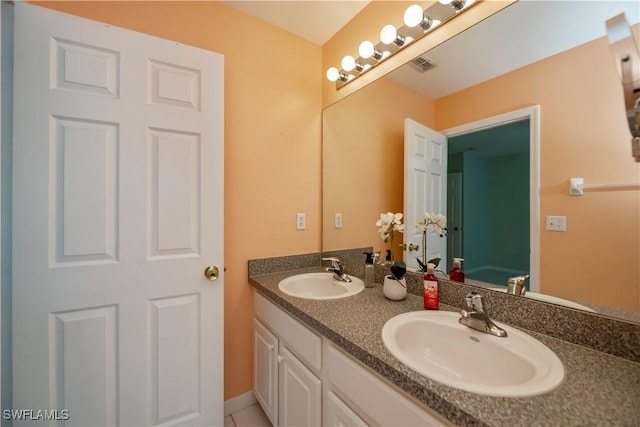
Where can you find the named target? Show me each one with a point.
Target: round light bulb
(348, 63)
(413, 16)
(333, 74)
(366, 49)
(388, 34)
(444, 1)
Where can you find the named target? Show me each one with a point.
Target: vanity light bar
(417, 23)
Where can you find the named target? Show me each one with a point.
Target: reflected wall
(363, 155)
(583, 134)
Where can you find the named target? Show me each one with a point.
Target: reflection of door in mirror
(425, 187)
(454, 216)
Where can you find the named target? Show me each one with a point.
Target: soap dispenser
(369, 271)
(456, 274)
(431, 300)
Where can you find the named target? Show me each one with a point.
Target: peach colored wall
(272, 141)
(583, 134)
(363, 161)
(367, 25)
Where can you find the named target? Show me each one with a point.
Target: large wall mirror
(549, 56)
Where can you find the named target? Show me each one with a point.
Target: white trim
(533, 114)
(239, 403)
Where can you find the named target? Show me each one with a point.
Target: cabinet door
(338, 414)
(265, 370)
(300, 393)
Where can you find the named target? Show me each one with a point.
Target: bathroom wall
(374, 136)
(596, 259)
(272, 141)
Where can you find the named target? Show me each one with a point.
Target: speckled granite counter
(598, 390)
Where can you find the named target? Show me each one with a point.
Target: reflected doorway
(489, 201)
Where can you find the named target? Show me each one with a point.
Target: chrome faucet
(336, 269)
(515, 285)
(476, 316)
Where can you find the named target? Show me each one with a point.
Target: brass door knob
(211, 272)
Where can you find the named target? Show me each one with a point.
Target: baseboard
(238, 403)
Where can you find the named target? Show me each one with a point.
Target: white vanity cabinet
(286, 363)
(301, 379)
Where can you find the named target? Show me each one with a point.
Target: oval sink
(435, 345)
(319, 286)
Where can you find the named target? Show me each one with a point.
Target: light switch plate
(337, 220)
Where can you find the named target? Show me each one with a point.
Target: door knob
(211, 272)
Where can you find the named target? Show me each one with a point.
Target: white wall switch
(556, 223)
(337, 220)
(301, 221)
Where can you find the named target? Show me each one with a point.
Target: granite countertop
(598, 389)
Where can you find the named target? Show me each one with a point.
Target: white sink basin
(320, 286)
(549, 298)
(435, 345)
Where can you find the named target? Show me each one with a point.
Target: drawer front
(372, 398)
(307, 345)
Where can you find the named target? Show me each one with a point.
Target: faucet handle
(474, 302)
(515, 285)
(335, 262)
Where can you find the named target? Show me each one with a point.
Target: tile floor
(253, 416)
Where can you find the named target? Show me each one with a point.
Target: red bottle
(431, 283)
(456, 274)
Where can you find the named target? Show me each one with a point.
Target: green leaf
(435, 261)
(398, 269)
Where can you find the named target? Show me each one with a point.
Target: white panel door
(425, 189)
(300, 391)
(118, 209)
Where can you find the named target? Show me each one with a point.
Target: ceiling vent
(422, 65)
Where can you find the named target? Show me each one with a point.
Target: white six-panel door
(425, 189)
(118, 209)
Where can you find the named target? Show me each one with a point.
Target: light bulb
(444, 1)
(348, 63)
(388, 34)
(366, 49)
(413, 16)
(333, 74)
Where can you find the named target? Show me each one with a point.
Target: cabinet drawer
(371, 397)
(301, 340)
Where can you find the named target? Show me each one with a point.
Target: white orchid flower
(388, 223)
(437, 222)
